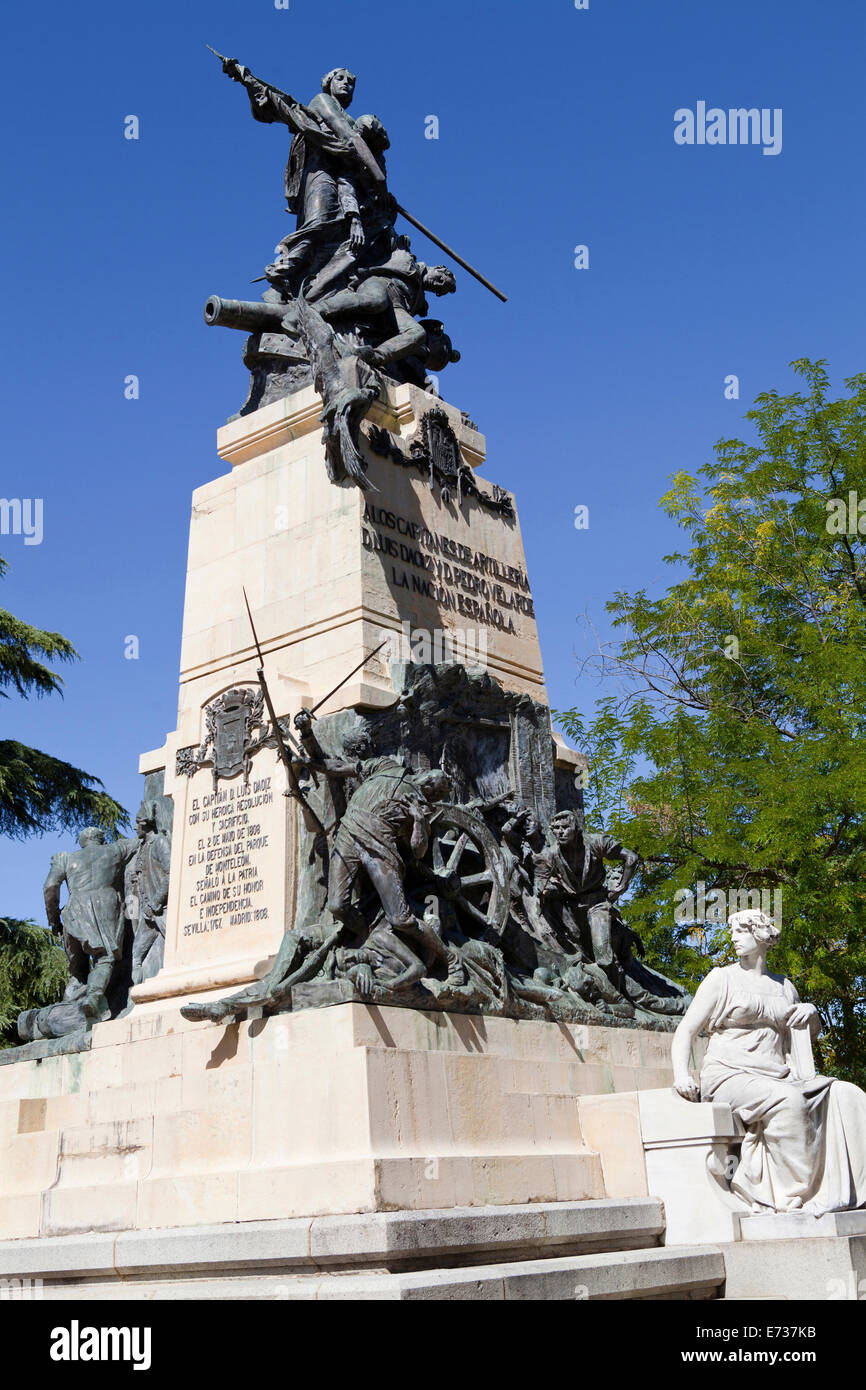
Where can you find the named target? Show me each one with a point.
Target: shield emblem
(235, 731)
(442, 448)
(231, 738)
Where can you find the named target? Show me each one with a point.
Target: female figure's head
(340, 84)
(753, 933)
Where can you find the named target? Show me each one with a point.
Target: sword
(237, 76)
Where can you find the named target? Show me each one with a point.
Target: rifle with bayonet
(311, 713)
(299, 115)
(285, 756)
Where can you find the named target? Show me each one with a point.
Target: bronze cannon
(250, 316)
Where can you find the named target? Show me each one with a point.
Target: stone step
(667, 1272)
(573, 1250)
(661, 1273)
(167, 1198)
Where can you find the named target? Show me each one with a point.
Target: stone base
(795, 1256)
(355, 1108)
(654, 1143)
(799, 1225)
(586, 1250)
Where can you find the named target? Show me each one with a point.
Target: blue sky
(556, 129)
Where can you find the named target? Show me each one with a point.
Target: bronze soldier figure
(92, 925)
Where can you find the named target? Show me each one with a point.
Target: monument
(362, 957)
(474, 890)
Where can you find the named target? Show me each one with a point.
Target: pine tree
(32, 972)
(38, 793)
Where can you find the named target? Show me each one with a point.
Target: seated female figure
(805, 1142)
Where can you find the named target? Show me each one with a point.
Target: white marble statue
(805, 1141)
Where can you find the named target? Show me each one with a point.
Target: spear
(449, 251)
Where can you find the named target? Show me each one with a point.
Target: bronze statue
(467, 890)
(146, 892)
(571, 877)
(346, 301)
(331, 163)
(390, 810)
(391, 295)
(93, 926)
(392, 807)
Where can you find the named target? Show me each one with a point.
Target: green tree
(38, 793)
(732, 752)
(32, 972)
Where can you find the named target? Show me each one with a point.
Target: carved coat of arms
(435, 450)
(443, 451)
(235, 730)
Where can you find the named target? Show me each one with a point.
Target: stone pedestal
(154, 1124)
(655, 1143)
(165, 1123)
(797, 1256)
(330, 572)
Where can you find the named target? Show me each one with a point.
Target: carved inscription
(455, 576)
(228, 838)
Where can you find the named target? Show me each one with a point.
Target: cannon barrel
(250, 316)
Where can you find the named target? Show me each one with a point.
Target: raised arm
(332, 767)
(269, 106)
(316, 760)
(694, 1019)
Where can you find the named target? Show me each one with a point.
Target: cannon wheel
(463, 848)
